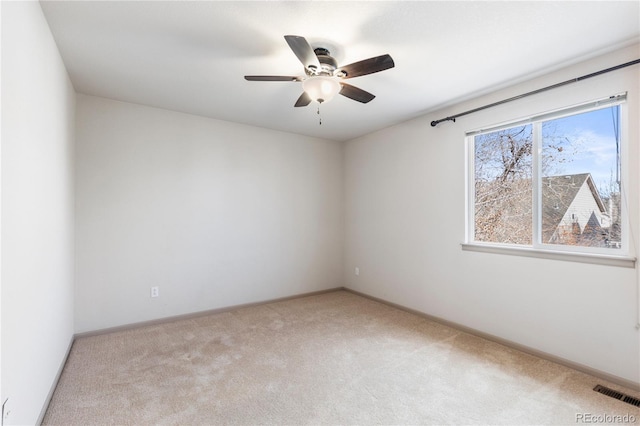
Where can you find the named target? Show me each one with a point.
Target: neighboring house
(573, 212)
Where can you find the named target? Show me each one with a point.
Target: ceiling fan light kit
(323, 78)
(321, 88)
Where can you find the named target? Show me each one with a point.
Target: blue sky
(592, 141)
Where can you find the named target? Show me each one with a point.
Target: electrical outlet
(155, 291)
(357, 271)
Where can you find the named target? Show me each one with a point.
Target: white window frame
(597, 255)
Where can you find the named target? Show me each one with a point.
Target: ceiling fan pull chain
(320, 118)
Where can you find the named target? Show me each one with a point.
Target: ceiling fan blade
(303, 100)
(303, 51)
(367, 66)
(355, 93)
(271, 78)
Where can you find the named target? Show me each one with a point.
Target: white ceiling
(192, 56)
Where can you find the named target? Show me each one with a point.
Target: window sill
(595, 259)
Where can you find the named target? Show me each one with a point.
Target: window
(552, 182)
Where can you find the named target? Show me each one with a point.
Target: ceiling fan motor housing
(327, 63)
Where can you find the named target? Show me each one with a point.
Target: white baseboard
(629, 384)
(198, 314)
(54, 385)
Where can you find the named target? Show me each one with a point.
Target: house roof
(558, 193)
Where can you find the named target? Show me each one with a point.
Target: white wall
(214, 213)
(405, 219)
(37, 211)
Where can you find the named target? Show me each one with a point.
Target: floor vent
(617, 395)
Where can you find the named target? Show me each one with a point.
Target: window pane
(503, 197)
(581, 180)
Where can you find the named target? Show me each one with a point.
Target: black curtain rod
(434, 123)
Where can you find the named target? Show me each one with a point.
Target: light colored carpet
(335, 358)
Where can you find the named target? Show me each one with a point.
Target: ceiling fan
(323, 78)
